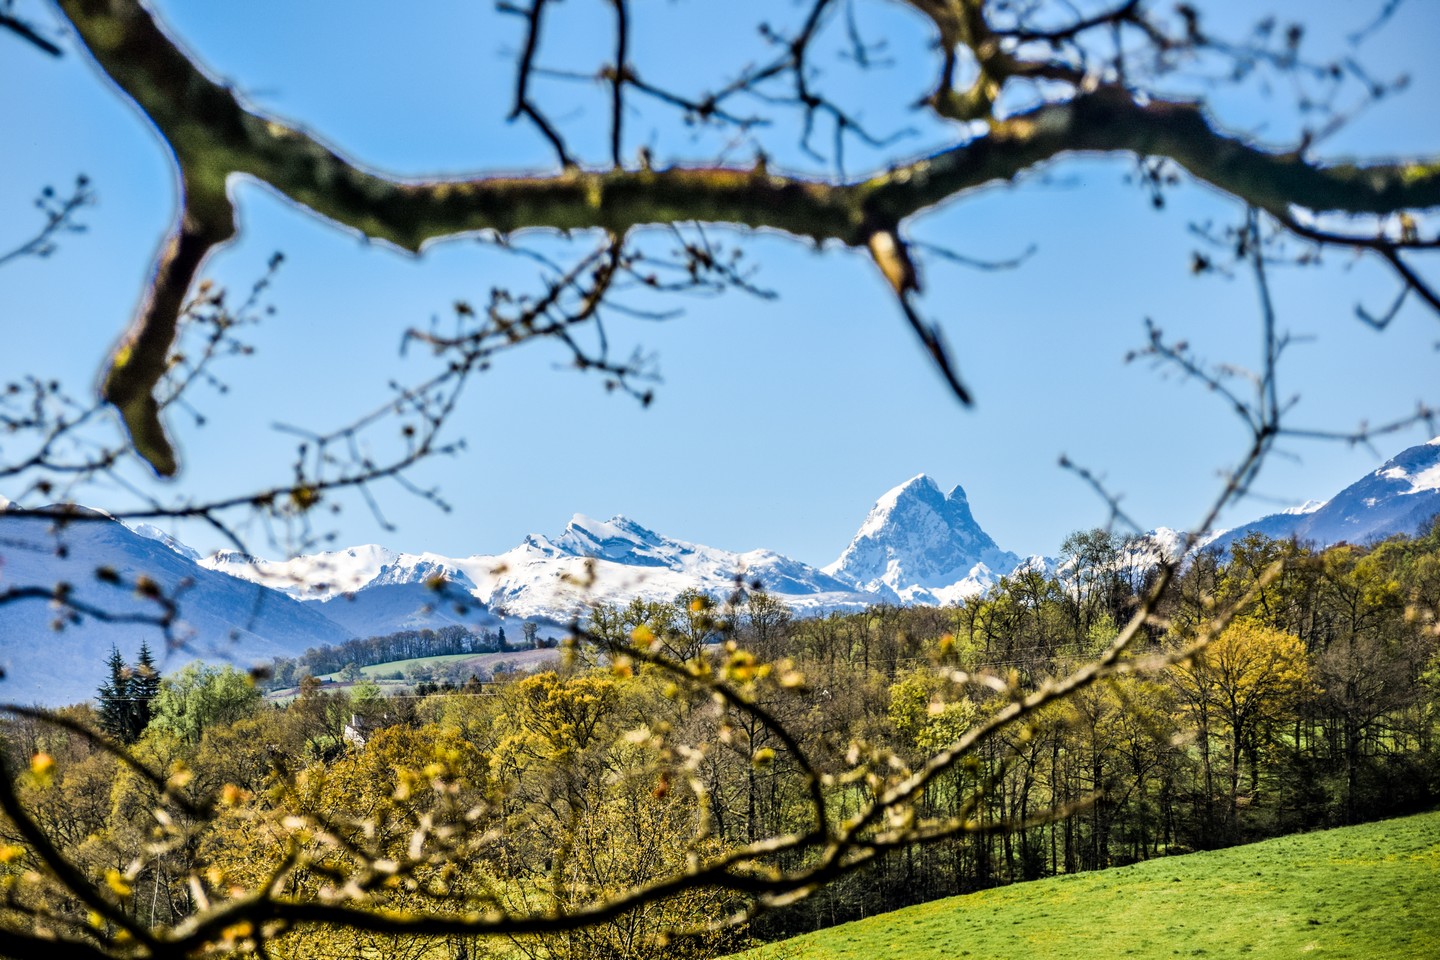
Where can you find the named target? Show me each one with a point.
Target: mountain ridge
(917, 544)
(1399, 496)
(49, 658)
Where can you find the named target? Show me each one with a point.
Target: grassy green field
(479, 663)
(399, 666)
(1370, 892)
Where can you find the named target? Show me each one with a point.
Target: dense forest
(1316, 706)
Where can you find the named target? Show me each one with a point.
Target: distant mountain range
(49, 660)
(1400, 497)
(918, 544)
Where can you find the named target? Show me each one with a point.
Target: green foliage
(926, 711)
(127, 696)
(549, 793)
(199, 697)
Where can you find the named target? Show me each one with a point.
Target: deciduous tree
(1016, 88)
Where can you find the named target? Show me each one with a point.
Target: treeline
(403, 645)
(1318, 705)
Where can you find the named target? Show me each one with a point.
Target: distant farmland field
(482, 664)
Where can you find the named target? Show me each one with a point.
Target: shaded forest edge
(1316, 707)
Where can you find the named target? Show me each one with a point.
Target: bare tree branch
(214, 135)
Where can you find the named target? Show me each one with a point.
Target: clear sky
(778, 422)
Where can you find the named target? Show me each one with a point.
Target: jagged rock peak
(412, 570)
(583, 530)
(618, 539)
(917, 535)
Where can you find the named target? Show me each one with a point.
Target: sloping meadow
(1360, 892)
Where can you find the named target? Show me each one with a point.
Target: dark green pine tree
(144, 688)
(114, 696)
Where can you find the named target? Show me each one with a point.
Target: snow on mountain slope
(1401, 497)
(316, 576)
(919, 545)
(220, 618)
(618, 560)
(151, 532)
(621, 540)
(372, 590)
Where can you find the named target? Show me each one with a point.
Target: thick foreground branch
(213, 135)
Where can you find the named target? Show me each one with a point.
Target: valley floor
(1369, 892)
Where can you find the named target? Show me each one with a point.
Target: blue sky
(778, 422)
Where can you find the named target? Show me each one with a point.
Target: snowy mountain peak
(920, 482)
(619, 539)
(1401, 496)
(917, 540)
(1418, 469)
(919, 489)
(315, 576)
(407, 569)
(918, 502)
(151, 532)
(587, 530)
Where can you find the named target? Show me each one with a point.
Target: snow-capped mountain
(1401, 497)
(50, 658)
(316, 576)
(919, 545)
(371, 590)
(618, 560)
(544, 578)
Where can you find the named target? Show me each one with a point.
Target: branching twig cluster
(61, 215)
(1020, 83)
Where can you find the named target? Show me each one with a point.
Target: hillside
(1400, 496)
(1358, 892)
(917, 545)
(51, 657)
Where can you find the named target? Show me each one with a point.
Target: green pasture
(1365, 892)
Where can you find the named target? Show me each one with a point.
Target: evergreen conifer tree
(126, 697)
(144, 687)
(114, 697)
